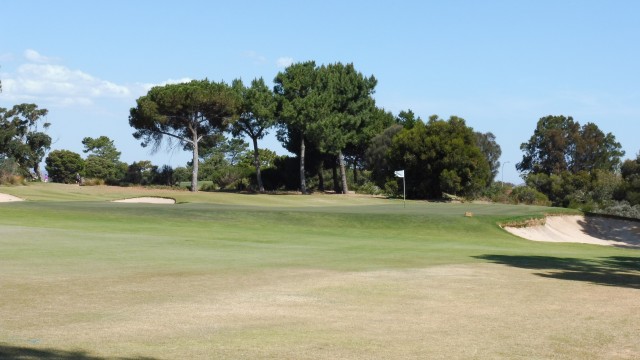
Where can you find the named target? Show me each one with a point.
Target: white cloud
(58, 85)
(257, 58)
(49, 84)
(284, 61)
(60, 80)
(143, 88)
(36, 57)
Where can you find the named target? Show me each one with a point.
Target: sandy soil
(148, 200)
(8, 198)
(583, 229)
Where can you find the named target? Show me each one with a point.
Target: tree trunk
(334, 173)
(303, 184)
(36, 170)
(256, 162)
(321, 176)
(194, 174)
(343, 173)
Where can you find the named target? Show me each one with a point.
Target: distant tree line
(326, 115)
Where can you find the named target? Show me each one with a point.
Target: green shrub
(92, 182)
(619, 208)
(529, 196)
(208, 186)
(369, 188)
(391, 188)
(63, 166)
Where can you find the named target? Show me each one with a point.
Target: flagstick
(404, 194)
(400, 173)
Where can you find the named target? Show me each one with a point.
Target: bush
(63, 166)
(369, 188)
(92, 182)
(497, 192)
(391, 188)
(208, 186)
(10, 173)
(7, 179)
(528, 195)
(619, 208)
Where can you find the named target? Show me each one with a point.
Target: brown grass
(455, 311)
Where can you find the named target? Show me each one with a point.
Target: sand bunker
(147, 200)
(9, 198)
(583, 229)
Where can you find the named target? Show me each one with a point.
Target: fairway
(221, 275)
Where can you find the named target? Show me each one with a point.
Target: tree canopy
(377, 155)
(560, 144)
(565, 161)
(21, 139)
(103, 161)
(440, 157)
(326, 106)
(347, 107)
(257, 114)
(491, 150)
(630, 187)
(102, 147)
(63, 166)
(187, 113)
(299, 107)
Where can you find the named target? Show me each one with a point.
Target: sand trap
(147, 200)
(583, 229)
(9, 198)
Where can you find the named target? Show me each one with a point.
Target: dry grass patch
(454, 311)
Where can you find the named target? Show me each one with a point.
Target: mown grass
(289, 276)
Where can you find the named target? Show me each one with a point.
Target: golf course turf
(220, 275)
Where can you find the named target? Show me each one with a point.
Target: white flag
(400, 173)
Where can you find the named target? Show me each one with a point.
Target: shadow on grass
(9, 352)
(610, 271)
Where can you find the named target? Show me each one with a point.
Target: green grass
(287, 276)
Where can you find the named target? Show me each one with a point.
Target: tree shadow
(618, 271)
(9, 352)
(625, 231)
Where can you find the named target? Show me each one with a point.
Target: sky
(500, 65)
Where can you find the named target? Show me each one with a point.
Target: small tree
(257, 115)
(441, 156)
(63, 166)
(491, 150)
(298, 102)
(560, 144)
(190, 113)
(140, 172)
(565, 160)
(347, 106)
(103, 161)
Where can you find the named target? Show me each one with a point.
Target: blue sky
(500, 65)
